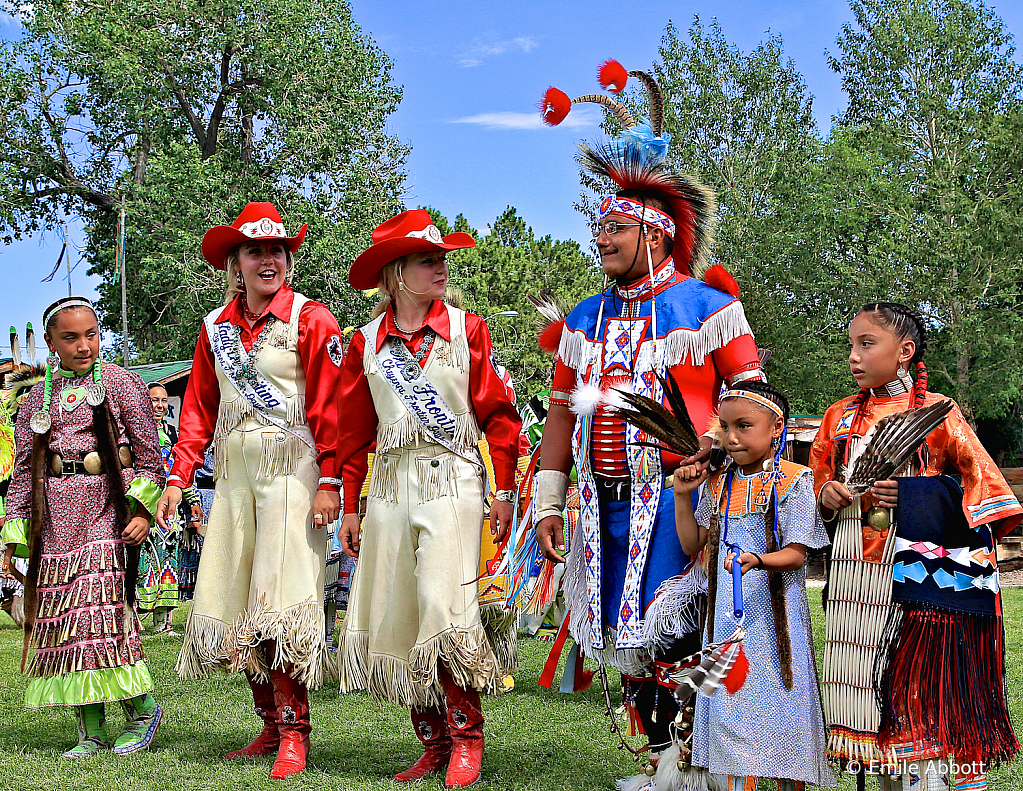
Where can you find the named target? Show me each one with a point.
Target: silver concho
(411, 370)
(96, 393)
(40, 422)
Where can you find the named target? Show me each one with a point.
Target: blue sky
(472, 74)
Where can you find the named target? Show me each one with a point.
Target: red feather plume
(612, 76)
(737, 675)
(550, 336)
(554, 106)
(720, 278)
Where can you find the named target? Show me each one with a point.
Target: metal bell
(879, 518)
(649, 770)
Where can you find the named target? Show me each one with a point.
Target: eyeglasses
(611, 227)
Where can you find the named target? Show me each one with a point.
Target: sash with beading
(410, 383)
(261, 394)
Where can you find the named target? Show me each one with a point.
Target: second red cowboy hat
(257, 221)
(411, 231)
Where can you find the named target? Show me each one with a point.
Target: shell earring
(902, 372)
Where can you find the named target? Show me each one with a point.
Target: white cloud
(474, 55)
(513, 120)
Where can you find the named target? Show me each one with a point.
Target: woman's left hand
(136, 531)
(500, 520)
(326, 506)
(886, 493)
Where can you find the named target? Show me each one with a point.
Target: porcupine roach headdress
(635, 162)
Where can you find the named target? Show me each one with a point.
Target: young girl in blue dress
(761, 512)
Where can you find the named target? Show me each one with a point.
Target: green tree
(742, 123)
(935, 99)
(183, 111)
(507, 264)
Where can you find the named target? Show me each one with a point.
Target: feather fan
(670, 426)
(890, 442)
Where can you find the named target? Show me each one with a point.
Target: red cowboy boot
(465, 722)
(269, 738)
(292, 701)
(432, 730)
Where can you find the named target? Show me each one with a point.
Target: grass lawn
(536, 739)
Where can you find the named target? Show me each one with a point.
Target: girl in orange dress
(912, 575)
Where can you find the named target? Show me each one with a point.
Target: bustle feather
(30, 343)
(670, 425)
(551, 321)
(890, 442)
(15, 349)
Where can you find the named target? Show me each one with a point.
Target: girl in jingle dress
(87, 477)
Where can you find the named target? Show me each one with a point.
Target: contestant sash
(411, 384)
(261, 394)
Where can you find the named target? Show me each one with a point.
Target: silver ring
(318, 517)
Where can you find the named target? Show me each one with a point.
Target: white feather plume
(854, 455)
(613, 396)
(585, 399)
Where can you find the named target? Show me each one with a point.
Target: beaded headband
(612, 204)
(67, 302)
(756, 397)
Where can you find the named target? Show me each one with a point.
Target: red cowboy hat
(411, 231)
(257, 221)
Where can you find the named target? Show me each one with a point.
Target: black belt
(92, 464)
(612, 489)
(70, 468)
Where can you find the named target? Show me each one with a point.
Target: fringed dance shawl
(947, 607)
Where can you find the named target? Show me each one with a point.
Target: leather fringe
(467, 654)
(436, 480)
(230, 414)
(297, 634)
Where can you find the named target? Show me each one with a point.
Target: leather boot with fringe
(292, 700)
(432, 729)
(465, 722)
(269, 739)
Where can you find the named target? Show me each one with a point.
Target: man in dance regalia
(630, 589)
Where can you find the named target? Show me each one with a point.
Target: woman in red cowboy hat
(421, 380)
(262, 391)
